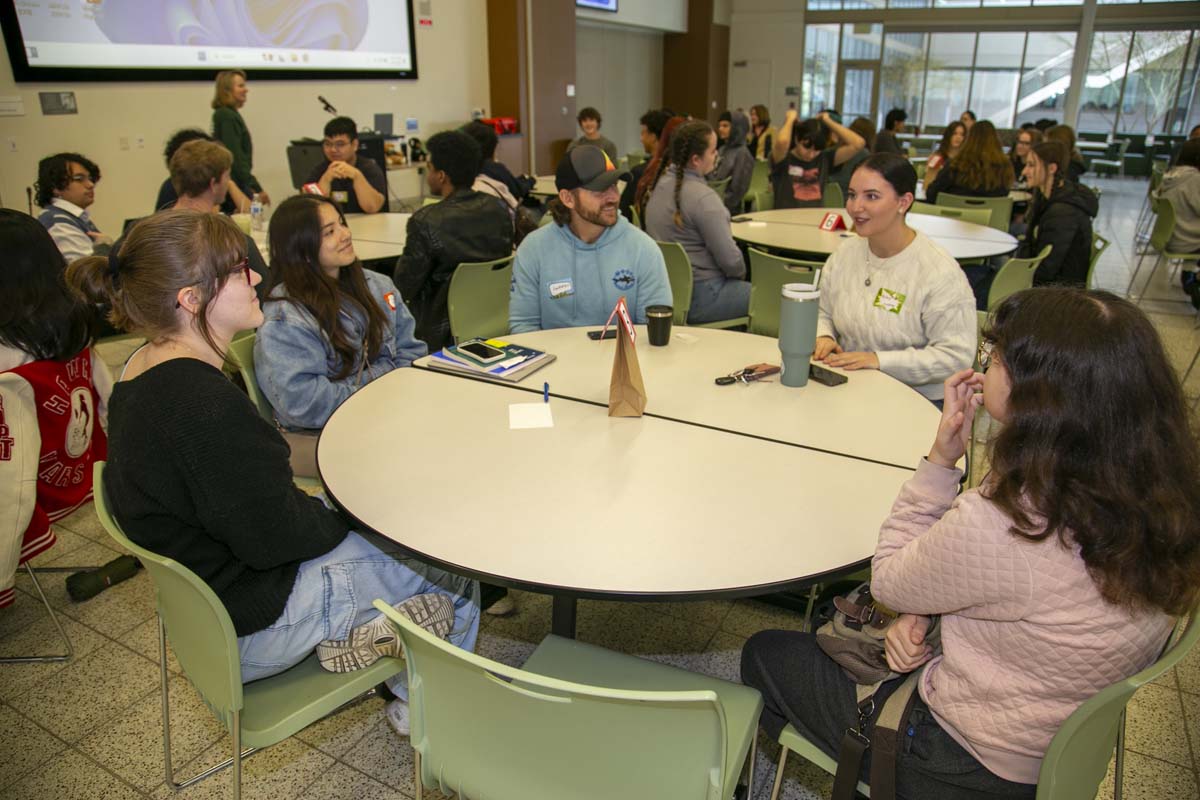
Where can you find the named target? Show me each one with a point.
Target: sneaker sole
(375, 639)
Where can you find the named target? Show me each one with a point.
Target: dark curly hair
(181, 137)
(456, 154)
(53, 174)
(485, 136)
(1098, 448)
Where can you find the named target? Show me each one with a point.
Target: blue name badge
(561, 288)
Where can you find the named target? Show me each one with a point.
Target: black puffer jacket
(464, 227)
(1063, 220)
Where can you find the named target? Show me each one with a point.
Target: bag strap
(886, 738)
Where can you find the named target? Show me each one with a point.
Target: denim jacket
(294, 361)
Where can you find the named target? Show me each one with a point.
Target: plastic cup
(658, 324)
(797, 331)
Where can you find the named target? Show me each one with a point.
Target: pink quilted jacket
(1026, 636)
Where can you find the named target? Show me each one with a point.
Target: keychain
(754, 372)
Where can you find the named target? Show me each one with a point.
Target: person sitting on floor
(573, 271)
(1060, 215)
(465, 226)
(195, 474)
(357, 184)
(1055, 578)
(54, 390)
(66, 189)
(800, 162)
(685, 210)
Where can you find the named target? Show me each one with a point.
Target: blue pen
(545, 392)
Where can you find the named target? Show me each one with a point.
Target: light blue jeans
(719, 298)
(333, 594)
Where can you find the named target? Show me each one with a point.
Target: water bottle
(256, 213)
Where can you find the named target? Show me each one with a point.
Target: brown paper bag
(626, 391)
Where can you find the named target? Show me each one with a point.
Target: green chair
(241, 356)
(576, 720)
(1157, 170)
(546, 219)
(978, 216)
(720, 186)
(633, 159)
(1099, 245)
(999, 208)
(637, 217)
(257, 714)
(832, 196)
(1114, 159)
(1077, 759)
(66, 640)
(679, 273)
(1160, 237)
(1015, 275)
(763, 200)
(428, 201)
(768, 274)
(478, 299)
(760, 181)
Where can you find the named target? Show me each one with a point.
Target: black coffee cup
(658, 324)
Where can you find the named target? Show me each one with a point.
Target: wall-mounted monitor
(598, 5)
(105, 40)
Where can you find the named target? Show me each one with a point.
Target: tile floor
(90, 728)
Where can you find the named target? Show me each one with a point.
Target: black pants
(803, 686)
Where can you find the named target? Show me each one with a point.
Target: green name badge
(889, 300)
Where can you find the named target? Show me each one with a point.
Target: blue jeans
(717, 299)
(333, 594)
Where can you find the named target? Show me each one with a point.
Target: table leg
(562, 619)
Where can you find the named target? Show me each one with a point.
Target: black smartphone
(742, 219)
(826, 376)
(611, 333)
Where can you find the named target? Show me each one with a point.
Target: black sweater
(1063, 220)
(195, 474)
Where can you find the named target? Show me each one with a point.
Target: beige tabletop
(1084, 144)
(595, 506)
(544, 186)
(365, 249)
(1016, 195)
(796, 229)
(872, 416)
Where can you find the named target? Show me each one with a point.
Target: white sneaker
(374, 639)
(502, 607)
(397, 715)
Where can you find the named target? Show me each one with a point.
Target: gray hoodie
(736, 161)
(1181, 185)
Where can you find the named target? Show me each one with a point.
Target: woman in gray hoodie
(682, 208)
(734, 160)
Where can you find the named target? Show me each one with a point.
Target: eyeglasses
(337, 144)
(242, 266)
(984, 354)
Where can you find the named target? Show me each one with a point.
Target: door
(858, 90)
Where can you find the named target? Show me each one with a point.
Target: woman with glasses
(195, 473)
(1026, 139)
(53, 393)
(330, 326)
(1061, 574)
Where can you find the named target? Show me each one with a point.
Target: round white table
(796, 229)
(656, 507)
(544, 187)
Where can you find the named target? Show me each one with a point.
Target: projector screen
(104, 40)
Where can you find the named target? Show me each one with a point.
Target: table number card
(832, 222)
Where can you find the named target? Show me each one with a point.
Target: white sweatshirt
(917, 315)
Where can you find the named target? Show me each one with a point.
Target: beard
(598, 216)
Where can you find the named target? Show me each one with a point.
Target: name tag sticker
(341, 197)
(390, 299)
(889, 300)
(796, 171)
(561, 289)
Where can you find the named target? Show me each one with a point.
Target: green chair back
(202, 637)
(832, 196)
(768, 274)
(1164, 224)
(1114, 158)
(1015, 275)
(633, 159)
(762, 200)
(1078, 757)
(999, 208)
(1099, 245)
(978, 216)
(679, 273)
(720, 186)
(760, 179)
(637, 217)
(576, 721)
(546, 219)
(428, 201)
(241, 355)
(478, 299)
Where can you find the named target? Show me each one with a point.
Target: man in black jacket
(464, 226)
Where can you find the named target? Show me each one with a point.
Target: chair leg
(753, 758)
(779, 773)
(417, 773)
(1146, 286)
(238, 754)
(808, 609)
(1119, 770)
(1133, 277)
(58, 625)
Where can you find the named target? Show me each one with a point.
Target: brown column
(537, 97)
(695, 65)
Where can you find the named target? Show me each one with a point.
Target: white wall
(767, 35)
(618, 71)
(662, 15)
(452, 61)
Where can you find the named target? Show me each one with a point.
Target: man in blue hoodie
(572, 272)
